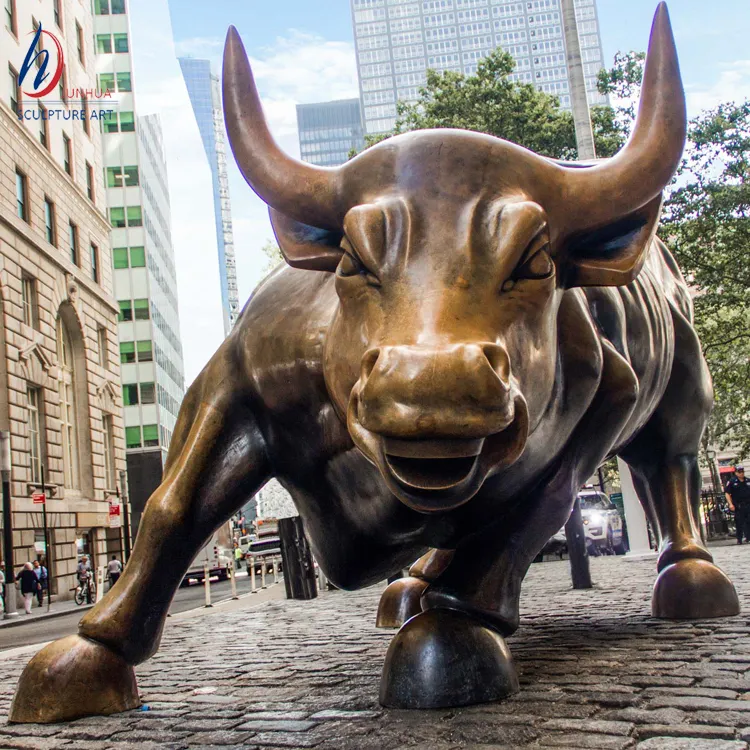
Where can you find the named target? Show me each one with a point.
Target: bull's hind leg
(664, 460)
(401, 599)
(216, 461)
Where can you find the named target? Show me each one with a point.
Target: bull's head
(451, 251)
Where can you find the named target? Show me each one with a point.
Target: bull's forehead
(457, 235)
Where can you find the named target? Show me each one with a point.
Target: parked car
(264, 549)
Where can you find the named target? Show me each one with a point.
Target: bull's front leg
(216, 461)
(454, 653)
(401, 599)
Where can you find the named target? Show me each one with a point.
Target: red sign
(114, 515)
(38, 498)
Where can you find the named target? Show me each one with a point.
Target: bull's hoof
(443, 658)
(693, 589)
(72, 678)
(399, 602)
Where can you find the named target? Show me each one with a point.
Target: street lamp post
(10, 579)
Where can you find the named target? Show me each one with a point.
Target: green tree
(273, 255)
(490, 102)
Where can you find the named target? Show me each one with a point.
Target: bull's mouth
(431, 465)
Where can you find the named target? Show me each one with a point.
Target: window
(122, 176)
(50, 228)
(124, 82)
(86, 122)
(38, 48)
(22, 201)
(137, 257)
(56, 8)
(121, 42)
(101, 7)
(141, 309)
(117, 217)
(131, 176)
(150, 435)
(73, 242)
(94, 263)
(127, 122)
(135, 216)
(63, 87)
(120, 257)
(67, 155)
(106, 82)
(118, 7)
(110, 123)
(10, 16)
(126, 310)
(108, 435)
(145, 351)
(15, 90)
(103, 44)
(28, 301)
(43, 126)
(133, 437)
(103, 343)
(148, 393)
(35, 422)
(130, 394)
(90, 182)
(127, 352)
(80, 44)
(68, 420)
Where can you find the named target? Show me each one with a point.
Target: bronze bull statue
(466, 332)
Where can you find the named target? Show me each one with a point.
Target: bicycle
(85, 591)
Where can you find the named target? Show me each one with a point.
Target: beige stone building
(60, 394)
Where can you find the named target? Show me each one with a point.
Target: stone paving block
(280, 739)
(593, 741)
(702, 731)
(279, 725)
(589, 725)
(675, 743)
(220, 738)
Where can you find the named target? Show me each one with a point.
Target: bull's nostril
(498, 358)
(368, 362)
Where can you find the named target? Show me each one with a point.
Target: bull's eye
(538, 266)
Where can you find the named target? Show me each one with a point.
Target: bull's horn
(301, 191)
(646, 164)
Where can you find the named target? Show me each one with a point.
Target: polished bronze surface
(400, 601)
(466, 332)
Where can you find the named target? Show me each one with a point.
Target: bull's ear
(304, 246)
(611, 255)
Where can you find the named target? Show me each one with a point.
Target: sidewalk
(596, 672)
(40, 613)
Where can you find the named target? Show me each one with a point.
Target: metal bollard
(100, 578)
(321, 579)
(263, 583)
(234, 581)
(253, 589)
(275, 569)
(207, 584)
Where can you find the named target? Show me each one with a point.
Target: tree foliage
(273, 255)
(490, 102)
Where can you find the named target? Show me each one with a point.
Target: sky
(302, 51)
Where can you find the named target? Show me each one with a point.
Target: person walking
(41, 576)
(237, 556)
(29, 585)
(114, 569)
(737, 492)
(84, 576)
(2, 587)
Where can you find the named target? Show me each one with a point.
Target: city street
(186, 598)
(596, 672)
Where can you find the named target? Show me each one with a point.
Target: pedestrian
(114, 569)
(41, 575)
(84, 576)
(737, 493)
(238, 556)
(29, 585)
(2, 587)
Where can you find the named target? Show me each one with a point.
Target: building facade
(60, 394)
(145, 279)
(205, 97)
(328, 131)
(398, 40)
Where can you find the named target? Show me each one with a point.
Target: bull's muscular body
(470, 330)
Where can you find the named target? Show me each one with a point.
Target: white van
(218, 558)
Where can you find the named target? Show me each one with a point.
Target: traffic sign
(38, 498)
(114, 515)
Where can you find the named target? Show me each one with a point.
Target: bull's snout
(456, 392)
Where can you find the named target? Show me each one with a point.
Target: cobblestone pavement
(596, 672)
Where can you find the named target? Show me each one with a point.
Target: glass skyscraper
(328, 131)
(398, 40)
(204, 92)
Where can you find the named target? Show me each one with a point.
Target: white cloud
(733, 85)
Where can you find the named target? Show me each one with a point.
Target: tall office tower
(59, 370)
(328, 131)
(144, 262)
(398, 40)
(205, 96)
